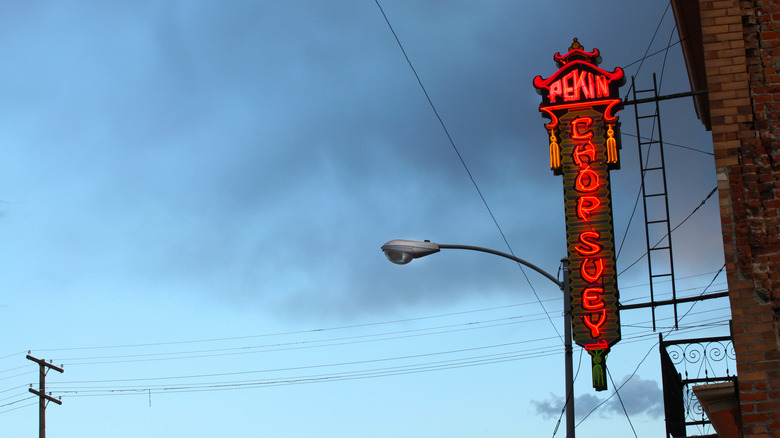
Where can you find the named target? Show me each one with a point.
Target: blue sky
(194, 195)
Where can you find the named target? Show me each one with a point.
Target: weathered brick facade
(741, 45)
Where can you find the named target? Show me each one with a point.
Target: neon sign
(581, 100)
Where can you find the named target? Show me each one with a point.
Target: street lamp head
(402, 252)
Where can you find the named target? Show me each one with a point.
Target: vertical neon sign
(581, 100)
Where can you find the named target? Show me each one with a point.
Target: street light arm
(506, 256)
(402, 252)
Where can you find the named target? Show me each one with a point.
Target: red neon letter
(589, 239)
(591, 298)
(555, 90)
(595, 326)
(569, 91)
(586, 205)
(578, 133)
(587, 88)
(584, 149)
(579, 83)
(587, 181)
(598, 266)
(602, 90)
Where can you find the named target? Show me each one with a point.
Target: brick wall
(741, 42)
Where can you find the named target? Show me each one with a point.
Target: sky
(193, 196)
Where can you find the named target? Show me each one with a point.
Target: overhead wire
(651, 349)
(569, 394)
(667, 143)
(281, 347)
(672, 328)
(666, 55)
(465, 166)
(64, 388)
(303, 344)
(310, 331)
(146, 354)
(93, 391)
(473, 360)
(544, 350)
(641, 61)
(701, 204)
(20, 407)
(476, 324)
(296, 332)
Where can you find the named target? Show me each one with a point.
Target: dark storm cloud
(278, 145)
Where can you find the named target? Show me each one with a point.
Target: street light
(402, 252)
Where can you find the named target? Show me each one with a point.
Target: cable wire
(651, 349)
(20, 407)
(569, 394)
(463, 162)
(297, 332)
(666, 143)
(701, 204)
(620, 399)
(645, 56)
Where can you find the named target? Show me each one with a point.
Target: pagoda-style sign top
(579, 79)
(576, 51)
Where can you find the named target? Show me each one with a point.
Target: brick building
(732, 50)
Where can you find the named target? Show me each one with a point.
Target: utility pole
(41, 393)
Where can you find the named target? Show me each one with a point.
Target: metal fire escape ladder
(658, 232)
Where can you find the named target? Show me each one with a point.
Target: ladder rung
(659, 221)
(647, 117)
(653, 168)
(660, 275)
(655, 195)
(660, 248)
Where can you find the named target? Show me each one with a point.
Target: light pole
(402, 252)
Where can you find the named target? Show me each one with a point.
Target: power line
(395, 358)
(701, 204)
(645, 56)
(620, 399)
(17, 401)
(263, 349)
(316, 330)
(297, 332)
(650, 350)
(666, 143)
(666, 55)
(463, 162)
(304, 344)
(568, 395)
(347, 375)
(546, 350)
(95, 391)
(19, 407)
(657, 52)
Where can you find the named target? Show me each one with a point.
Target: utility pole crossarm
(43, 363)
(47, 397)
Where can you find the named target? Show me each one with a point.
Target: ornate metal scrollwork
(706, 359)
(699, 362)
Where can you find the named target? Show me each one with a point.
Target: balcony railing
(686, 363)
